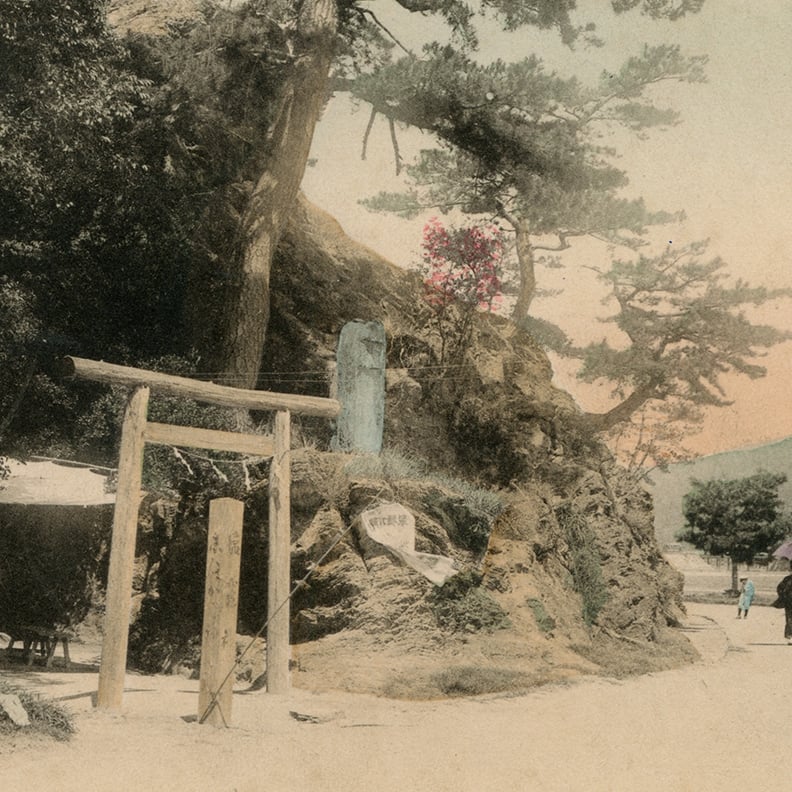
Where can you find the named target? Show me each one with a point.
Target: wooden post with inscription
(221, 598)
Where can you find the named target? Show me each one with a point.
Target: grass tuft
(489, 503)
(478, 681)
(387, 465)
(544, 621)
(586, 563)
(47, 718)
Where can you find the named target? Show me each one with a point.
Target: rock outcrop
(564, 577)
(503, 424)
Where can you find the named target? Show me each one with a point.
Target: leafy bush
(468, 527)
(49, 560)
(461, 270)
(485, 434)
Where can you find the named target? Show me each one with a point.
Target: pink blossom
(462, 265)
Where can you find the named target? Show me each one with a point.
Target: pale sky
(728, 165)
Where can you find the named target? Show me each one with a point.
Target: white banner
(393, 526)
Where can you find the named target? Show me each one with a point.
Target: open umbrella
(784, 551)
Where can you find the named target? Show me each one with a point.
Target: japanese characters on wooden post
(218, 637)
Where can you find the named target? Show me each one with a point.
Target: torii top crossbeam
(210, 392)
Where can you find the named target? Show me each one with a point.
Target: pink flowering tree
(461, 271)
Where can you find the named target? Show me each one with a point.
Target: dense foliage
(50, 561)
(93, 254)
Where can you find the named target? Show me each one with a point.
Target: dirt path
(722, 724)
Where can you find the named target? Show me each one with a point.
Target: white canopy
(46, 483)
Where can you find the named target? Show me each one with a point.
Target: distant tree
(735, 518)
(683, 329)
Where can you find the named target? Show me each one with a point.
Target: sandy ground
(721, 724)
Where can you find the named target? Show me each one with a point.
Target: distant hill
(669, 488)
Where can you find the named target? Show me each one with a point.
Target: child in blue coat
(747, 591)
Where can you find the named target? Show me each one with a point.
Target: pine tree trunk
(287, 146)
(602, 422)
(525, 260)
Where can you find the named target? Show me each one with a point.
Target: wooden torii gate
(136, 432)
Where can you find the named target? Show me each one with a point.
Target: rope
(297, 586)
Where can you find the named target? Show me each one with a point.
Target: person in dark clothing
(784, 591)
